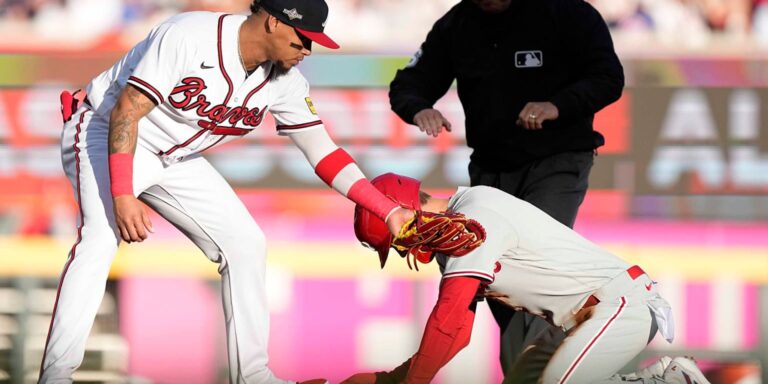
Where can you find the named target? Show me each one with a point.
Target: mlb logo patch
(529, 59)
(310, 105)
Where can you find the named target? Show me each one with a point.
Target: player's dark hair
(424, 197)
(255, 7)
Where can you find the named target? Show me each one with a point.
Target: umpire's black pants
(556, 185)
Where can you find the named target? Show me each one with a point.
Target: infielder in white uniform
(198, 80)
(609, 309)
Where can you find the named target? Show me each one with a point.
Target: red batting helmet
(371, 230)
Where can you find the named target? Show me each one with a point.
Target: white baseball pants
(604, 339)
(193, 196)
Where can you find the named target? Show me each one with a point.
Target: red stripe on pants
(593, 341)
(74, 247)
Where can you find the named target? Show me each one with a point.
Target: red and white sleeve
(338, 169)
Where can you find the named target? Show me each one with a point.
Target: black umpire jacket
(538, 50)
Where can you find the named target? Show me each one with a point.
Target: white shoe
(683, 370)
(656, 369)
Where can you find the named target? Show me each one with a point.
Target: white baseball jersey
(190, 66)
(555, 269)
(549, 270)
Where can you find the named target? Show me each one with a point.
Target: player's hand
(394, 376)
(493, 295)
(534, 114)
(370, 378)
(361, 378)
(431, 121)
(397, 219)
(131, 218)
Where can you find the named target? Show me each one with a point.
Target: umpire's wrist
(413, 109)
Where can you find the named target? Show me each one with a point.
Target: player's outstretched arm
(130, 215)
(338, 169)
(448, 329)
(447, 332)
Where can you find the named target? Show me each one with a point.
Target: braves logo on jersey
(189, 95)
(207, 98)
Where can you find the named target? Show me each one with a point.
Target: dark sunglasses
(305, 42)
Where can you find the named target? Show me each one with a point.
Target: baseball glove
(449, 233)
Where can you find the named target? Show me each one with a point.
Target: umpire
(530, 75)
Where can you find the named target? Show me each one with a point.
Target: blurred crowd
(687, 23)
(88, 21)
(389, 26)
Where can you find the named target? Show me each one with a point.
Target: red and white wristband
(365, 194)
(361, 191)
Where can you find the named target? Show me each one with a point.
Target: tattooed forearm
(122, 136)
(124, 120)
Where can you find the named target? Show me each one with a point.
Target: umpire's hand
(534, 114)
(431, 121)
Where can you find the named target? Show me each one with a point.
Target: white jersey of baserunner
(204, 95)
(609, 309)
(553, 270)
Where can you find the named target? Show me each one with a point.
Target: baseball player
(198, 80)
(609, 309)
